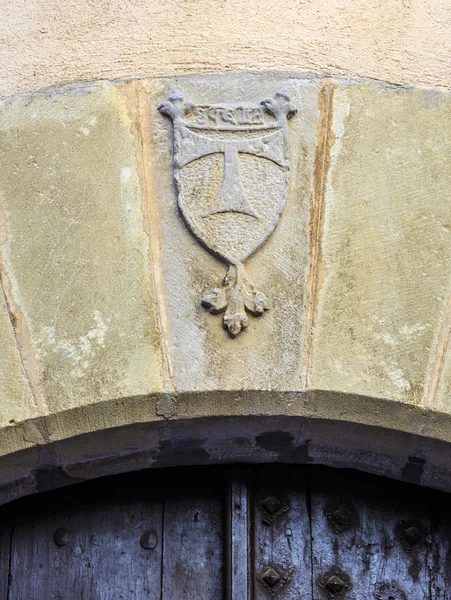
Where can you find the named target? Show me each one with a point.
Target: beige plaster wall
(48, 42)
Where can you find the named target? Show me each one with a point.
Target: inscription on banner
(206, 114)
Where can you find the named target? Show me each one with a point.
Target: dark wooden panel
(193, 537)
(213, 534)
(282, 534)
(440, 554)
(5, 544)
(371, 534)
(100, 556)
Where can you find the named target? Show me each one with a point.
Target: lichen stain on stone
(318, 270)
(396, 376)
(78, 352)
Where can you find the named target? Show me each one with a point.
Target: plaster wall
(49, 42)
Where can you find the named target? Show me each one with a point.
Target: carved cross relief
(232, 205)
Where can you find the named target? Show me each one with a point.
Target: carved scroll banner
(231, 168)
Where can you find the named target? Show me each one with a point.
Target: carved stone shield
(231, 167)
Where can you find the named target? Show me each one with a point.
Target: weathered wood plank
(5, 547)
(282, 534)
(237, 535)
(193, 537)
(370, 534)
(206, 534)
(77, 545)
(440, 554)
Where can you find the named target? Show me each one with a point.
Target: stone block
(385, 243)
(76, 252)
(269, 354)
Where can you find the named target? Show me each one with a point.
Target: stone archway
(109, 353)
(227, 440)
(337, 269)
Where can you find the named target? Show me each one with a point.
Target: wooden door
(235, 534)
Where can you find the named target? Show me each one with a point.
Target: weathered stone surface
(385, 244)
(16, 400)
(76, 252)
(439, 396)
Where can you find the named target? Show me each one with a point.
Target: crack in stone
(24, 345)
(139, 111)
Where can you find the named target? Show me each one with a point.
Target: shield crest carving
(231, 166)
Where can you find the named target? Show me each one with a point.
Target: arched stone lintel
(244, 427)
(110, 361)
